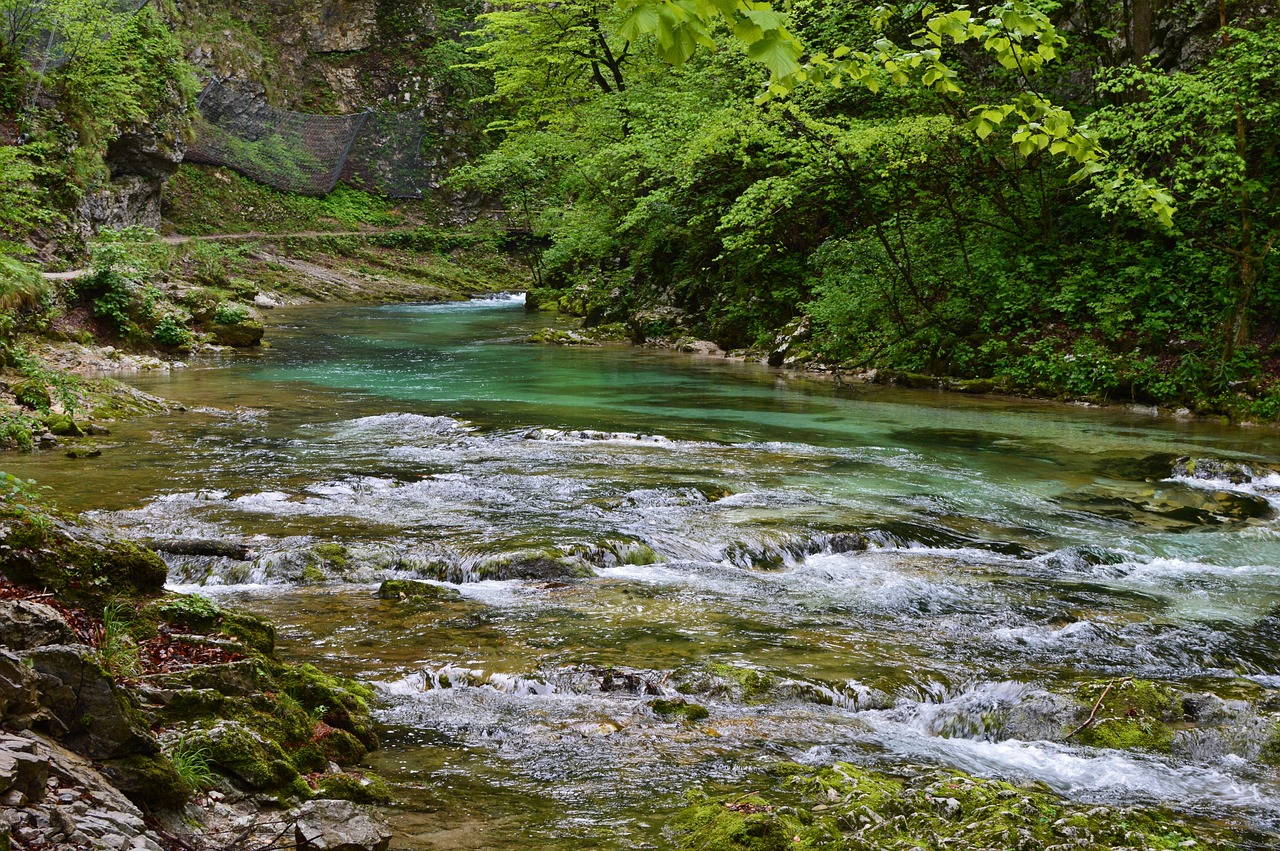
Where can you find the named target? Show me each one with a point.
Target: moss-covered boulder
(1131, 715)
(149, 780)
(80, 562)
(678, 709)
(357, 788)
(242, 335)
(63, 425)
(249, 758)
(416, 591)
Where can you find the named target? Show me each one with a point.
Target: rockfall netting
(308, 154)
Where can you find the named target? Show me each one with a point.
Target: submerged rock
(416, 591)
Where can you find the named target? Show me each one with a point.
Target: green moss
(80, 562)
(335, 554)
(1132, 716)
(340, 702)
(251, 759)
(845, 806)
(414, 591)
(755, 686)
(250, 630)
(360, 788)
(679, 708)
(149, 781)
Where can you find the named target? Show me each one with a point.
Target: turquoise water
(1014, 550)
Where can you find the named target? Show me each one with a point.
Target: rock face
(19, 693)
(338, 826)
(140, 160)
(85, 708)
(785, 349)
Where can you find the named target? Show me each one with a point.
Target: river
(871, 574)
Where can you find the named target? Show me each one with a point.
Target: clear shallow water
(1016, 549)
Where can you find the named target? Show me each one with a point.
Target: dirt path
(232, 237)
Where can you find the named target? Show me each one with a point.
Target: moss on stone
(80, 562)
(249, 758)
(679, 708)
(755, 685)
(358, 788)
(1132, 715)
(845, 806)
(150, 781)
(415, 591)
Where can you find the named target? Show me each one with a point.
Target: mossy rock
(63, 425)
(244, 334)
(342, 703)
(31, 393)
(150, 782)
(415, 591)
(679, 708)
(250, 630)
(357, 788)
(751, 685)
(80, 562)
(247, 757)
(533, 565)
(1133, 715)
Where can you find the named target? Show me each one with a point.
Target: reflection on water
(884, 576)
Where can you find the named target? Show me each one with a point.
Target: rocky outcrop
(54, 798)
(82, 562)
(84, 707)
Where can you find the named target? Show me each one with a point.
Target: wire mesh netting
(309, 154)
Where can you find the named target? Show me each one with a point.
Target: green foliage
(192, 764)
(230, 314)
(933, 218)
(171, 331)
(123, 262)
(117, 651)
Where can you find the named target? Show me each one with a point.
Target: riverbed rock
(339, 826)
(416, 591)
(86, 710)
(25, 625)
(1213, 469)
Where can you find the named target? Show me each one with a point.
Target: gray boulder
(85, 708)
(339, 826)
(25, 625)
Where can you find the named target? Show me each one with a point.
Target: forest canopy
(1068, 198)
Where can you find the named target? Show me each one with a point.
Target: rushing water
(1016, 550)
